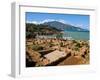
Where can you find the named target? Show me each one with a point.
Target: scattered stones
(78, 50)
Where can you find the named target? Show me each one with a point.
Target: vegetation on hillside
(33, 29)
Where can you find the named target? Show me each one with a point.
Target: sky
(77, 20)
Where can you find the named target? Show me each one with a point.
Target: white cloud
(82, 26)
(40, 22)
(35, 22)
(47, 20)
(62, 21)
(59, 20)
(79, 25)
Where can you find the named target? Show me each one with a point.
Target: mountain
(41, 29)
(62, 26)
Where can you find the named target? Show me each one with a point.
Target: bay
(77, 35)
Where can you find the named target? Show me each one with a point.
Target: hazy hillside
(62, 26)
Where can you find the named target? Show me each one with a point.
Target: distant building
(45, 36)
(68, 38)
(53, 36)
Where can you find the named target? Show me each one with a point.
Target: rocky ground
(77, 51)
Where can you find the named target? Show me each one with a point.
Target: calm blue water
(77, 35)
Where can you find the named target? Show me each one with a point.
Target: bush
(74, 41)
(37, 47)
(61, 44)
(59, 35)
(30, 35)
(78, 45)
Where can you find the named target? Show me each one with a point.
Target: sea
(71, 35)
(77, 35)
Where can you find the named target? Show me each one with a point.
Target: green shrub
(78, 45)
(59, 35)
(61, 44)
(37, 47)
